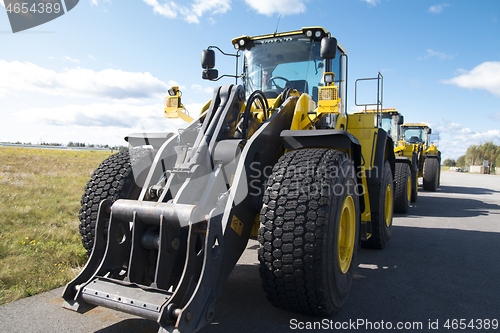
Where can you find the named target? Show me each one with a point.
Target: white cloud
(434, 54)
(215, 6)
(173, 83)
(454, 138)
(96, 2)
(97, 114)
(436, 9)
(93, 123)
(168, 10)
(198, 8)
(79, 82)
(91, 57)
(282, 7)
(1, 2)
(372, 2)
(200, 89)
(66, 58)
(193, 109)
(191, 13)
(485, 76)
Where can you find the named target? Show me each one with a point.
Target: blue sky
(102, 70)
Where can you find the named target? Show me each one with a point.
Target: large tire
(309, 238)
(382, 220)
(402, 188)
(431, 174)
(113, 180)
(414, 178)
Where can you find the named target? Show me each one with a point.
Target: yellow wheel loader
(406, 169)
(417, 136)
(277, 153)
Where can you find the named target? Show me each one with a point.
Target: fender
(403, 159)
(328, 138)
(383, 151)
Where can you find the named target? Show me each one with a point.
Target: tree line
(476, 154)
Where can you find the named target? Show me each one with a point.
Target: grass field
(40, 191)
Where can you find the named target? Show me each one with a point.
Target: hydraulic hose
(256, 95)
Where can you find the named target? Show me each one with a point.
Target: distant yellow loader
(417, 136)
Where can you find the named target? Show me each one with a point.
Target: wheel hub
(388, 205)
(346, 234)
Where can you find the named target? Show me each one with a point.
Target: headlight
(329, 77)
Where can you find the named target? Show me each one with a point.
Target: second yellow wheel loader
(278, 153)
(417, 135)
(406, 167)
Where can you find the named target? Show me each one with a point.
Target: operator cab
(274, 63)
(414, 134)
(391, 122)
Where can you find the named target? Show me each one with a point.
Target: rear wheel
(309, 237)
(403, 187)
(113, 180)
(431, 174)
(414, 179)
(382, 220)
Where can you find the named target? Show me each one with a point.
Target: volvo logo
(277, 40)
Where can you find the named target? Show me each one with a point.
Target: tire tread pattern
(293, 227)
(112, 180)
(401, 202)
(431, 174)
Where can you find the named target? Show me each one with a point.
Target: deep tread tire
(414, 179)
(113, 180)
(431, 174)
(402, 177)
(381, 230)
(298, 254)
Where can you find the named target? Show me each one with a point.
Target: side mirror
(328, 48)
(401, 120)
(429, 131)
(209, 74)
(207, 59)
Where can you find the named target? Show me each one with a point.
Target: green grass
(40, 191)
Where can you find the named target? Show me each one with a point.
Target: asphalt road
(442, 263)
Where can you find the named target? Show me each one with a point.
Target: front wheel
(113, 179)
(309, 238)
(431, 174)
(403, 187)
(414, 178)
